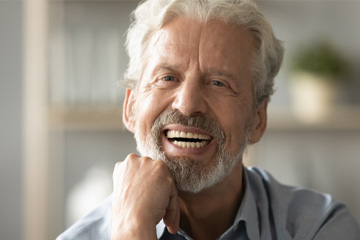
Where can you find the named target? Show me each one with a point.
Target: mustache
(200, 121)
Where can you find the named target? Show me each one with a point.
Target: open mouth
(187, 139)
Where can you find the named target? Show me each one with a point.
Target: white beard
(190, 175)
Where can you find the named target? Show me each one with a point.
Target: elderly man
(199, 80)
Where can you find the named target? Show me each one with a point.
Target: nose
(190, 98)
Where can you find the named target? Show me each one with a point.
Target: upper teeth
(180, 134)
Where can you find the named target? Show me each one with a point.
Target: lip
(173, 150)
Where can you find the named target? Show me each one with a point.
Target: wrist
(133, 230)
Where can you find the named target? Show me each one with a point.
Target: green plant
(320, 58)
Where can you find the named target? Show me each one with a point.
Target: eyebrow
(166, 66)
(222, 74)
(214, 72)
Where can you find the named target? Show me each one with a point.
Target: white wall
(303, 22)
(88, 154)
(11, 119)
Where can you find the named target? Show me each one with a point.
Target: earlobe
(128, 110)
(259, 123)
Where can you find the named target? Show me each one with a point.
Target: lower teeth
(190, 144)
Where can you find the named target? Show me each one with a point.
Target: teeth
(180, 134)
(190, 144)
(184, 144)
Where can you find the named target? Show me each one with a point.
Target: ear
(128, 110)
(259, 123)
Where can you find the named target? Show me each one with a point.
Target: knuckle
(146, 159)
(116, 170)
(131, 156)
(118, 164)
(117, 167)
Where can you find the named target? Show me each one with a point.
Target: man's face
(194, 105)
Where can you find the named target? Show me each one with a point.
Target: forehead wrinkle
(175, 36)
(178, 36)
(171, 58)
(168, 67)
(237, 47)
(163, 52)
(174, 57)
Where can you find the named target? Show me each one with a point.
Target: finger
(119, 168)
(174, 227)
(171, 207)
(171, 212)
(116, 174)
(172, 215)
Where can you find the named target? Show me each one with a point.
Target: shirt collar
(247, 212)
(160, 228)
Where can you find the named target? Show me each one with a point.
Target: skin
(194, 68)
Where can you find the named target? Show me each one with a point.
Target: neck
(208, 214)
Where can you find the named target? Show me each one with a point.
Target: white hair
(151, 15)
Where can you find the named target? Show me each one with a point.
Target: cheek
(234, 120)
(234, 133)
(149, 107)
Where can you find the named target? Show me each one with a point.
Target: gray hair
(151, 15)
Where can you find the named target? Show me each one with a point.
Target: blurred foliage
(320, 58)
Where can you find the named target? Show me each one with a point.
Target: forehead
(213, 43)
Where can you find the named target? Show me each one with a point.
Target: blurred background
(61, 63)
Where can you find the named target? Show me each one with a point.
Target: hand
(144, 193)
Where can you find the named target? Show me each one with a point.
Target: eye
(169, 78)
(167, 81)
(217, 83)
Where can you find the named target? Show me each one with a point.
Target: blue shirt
(269, 210)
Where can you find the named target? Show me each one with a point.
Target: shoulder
(300, 212)
(95, 225)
